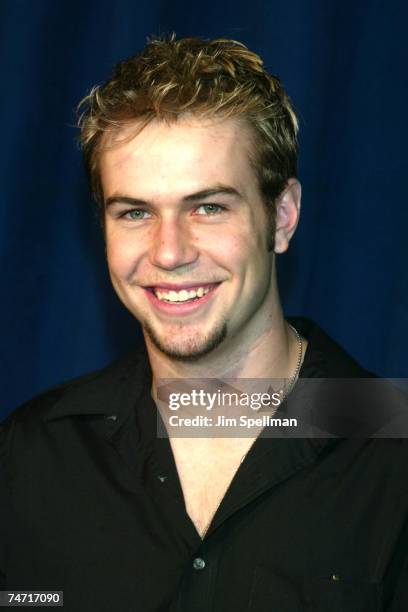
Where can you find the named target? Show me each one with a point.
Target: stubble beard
(193, 348)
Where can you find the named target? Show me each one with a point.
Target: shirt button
(198, 563)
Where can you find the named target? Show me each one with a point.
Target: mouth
(179, 299)
(187, 293)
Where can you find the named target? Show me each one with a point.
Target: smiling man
(170, 232)
(191, 148)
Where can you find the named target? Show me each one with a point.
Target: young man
(191, 148)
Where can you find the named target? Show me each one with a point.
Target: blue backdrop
(345, 67)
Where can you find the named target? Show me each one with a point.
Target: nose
(172, 245)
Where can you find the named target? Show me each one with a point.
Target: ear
(287, 214)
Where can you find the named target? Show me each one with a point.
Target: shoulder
(86, 394)
(344, 398)
(324, 357)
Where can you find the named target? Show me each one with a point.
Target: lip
(180, 308)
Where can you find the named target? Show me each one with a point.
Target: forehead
(180, 156)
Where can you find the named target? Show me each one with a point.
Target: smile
(182, 300)
(185, 295)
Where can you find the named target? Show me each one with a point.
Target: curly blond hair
(207, 78)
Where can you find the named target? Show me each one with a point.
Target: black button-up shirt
(91, 504)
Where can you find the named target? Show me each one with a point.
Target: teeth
(181, 296)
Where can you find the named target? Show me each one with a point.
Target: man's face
(186, 234)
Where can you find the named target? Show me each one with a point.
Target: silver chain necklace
(288, 388)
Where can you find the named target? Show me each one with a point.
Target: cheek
(229, 253)
(122, 255)
(242, 249)
(251, 262)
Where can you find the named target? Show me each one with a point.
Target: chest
(205, 474)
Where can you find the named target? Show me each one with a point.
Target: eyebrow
(193, 197)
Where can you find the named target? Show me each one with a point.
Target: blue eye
(135, 214)
(210, 209)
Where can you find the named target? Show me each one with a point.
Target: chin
(187, 349)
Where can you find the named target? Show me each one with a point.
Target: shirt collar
(111, 393)
(324, 358)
